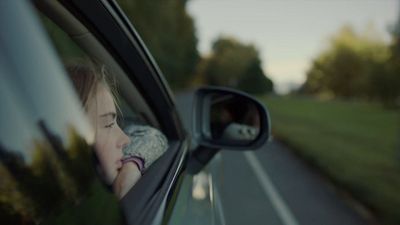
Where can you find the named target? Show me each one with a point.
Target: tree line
(169, 33)
(356, 65)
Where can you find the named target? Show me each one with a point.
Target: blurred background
(328, 71)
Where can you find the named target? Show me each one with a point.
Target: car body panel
(198, 201)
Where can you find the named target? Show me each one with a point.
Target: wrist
(139, 162)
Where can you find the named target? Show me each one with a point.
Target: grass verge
(354, 143)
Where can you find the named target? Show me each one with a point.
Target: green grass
(354, 143)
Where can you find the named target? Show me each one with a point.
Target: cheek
(108, 155)
(106, 146)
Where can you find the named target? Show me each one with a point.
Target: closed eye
(110, 125)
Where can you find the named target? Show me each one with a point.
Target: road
(272, 186)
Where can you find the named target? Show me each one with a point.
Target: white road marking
(276, 200)
(220, 210)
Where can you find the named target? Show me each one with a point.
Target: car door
(48, 104)
(47, 160)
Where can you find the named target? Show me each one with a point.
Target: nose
(124, 139)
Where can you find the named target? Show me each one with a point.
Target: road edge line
(277, 202)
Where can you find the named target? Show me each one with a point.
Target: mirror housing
(225, 118)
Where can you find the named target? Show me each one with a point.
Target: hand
(126, 179)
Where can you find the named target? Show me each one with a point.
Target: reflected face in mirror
(110, 139)
(234, 118)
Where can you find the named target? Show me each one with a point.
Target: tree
(254, 80)
(354, 66)
(169, 33)
(234, 64)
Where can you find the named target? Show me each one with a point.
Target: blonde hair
(86, 78)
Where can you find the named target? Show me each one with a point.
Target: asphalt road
(272, 186)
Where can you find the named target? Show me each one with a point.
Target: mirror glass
(233, 118)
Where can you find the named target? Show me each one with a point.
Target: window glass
(46, 174)
(65, 47)
(47, 162)
(63, 157)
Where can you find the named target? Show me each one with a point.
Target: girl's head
(97, 99)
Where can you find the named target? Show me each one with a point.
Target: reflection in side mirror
(233, 118)
(224, 118)
(230, 119)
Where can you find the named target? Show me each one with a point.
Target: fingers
(126, 179)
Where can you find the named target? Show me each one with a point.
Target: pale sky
(288, 33)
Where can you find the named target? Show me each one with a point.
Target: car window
(49, 174)
(52, 172)
(45, 140)
(70, 54)
(46, 177)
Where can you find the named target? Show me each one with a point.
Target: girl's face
(109, 138)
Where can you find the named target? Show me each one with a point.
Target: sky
(287, 33)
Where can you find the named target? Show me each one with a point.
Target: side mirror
(226, 119)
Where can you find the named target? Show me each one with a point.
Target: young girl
(122, 159)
